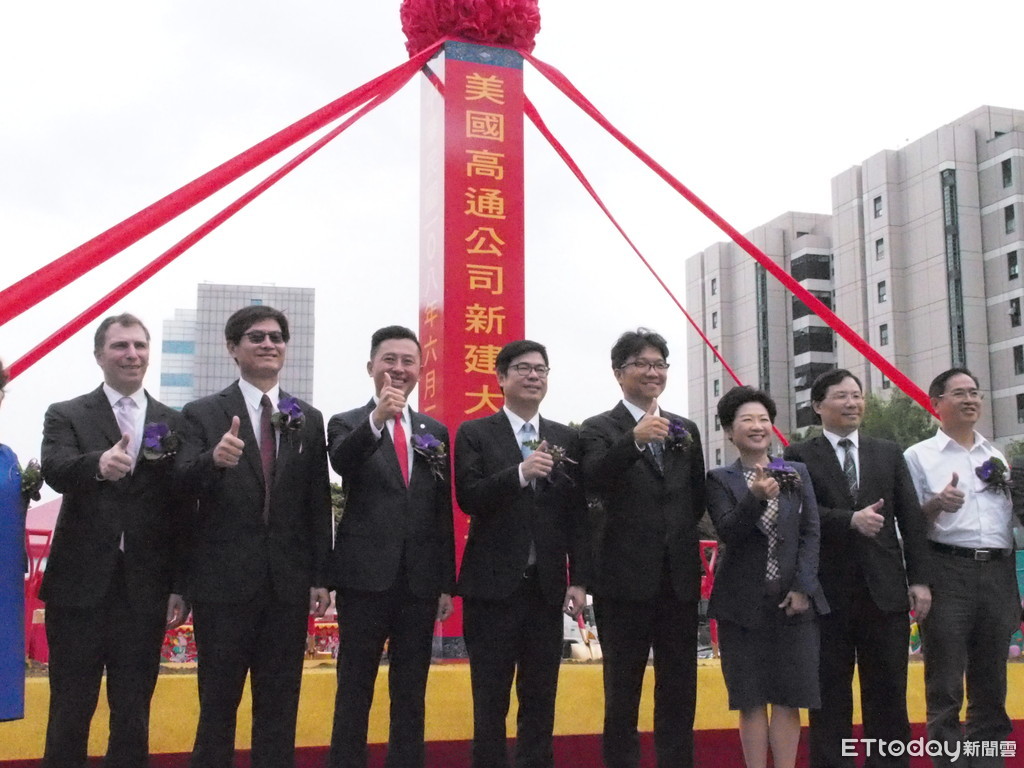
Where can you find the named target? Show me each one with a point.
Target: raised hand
(391, 402)
(116, 462)
(764, 486)
(951, 498)
(539, 463)
(228, 451)
(651, 428)
(868, 521)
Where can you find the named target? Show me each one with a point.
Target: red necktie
(401, 448)
(268, 452)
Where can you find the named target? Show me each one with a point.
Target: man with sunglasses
(256, 459)
(644, 471)
(516, 476)
(960, 479)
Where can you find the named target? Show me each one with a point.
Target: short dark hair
(737, 396)
(514, 349)
(938, 386)
(634, 342)
(126, 319)
(392, 332)
(5, 376)
(829, 379)
(246, 317)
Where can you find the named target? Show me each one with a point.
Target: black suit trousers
(85, 640)
(518, 637)
(857, 631)
(628, 630)
(365, 621)
(267, 639)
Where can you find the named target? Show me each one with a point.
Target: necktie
(769, 525)
(124, 412)
(849, 467)
(658, 452)
(268, 452)
(526, 434)
(401, 448)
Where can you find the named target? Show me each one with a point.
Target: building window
(811, 266)
(178, 347)
(1014, 313)
(883, 294)
(879, 249)
(718, 424)
(1018, 360)
(1010, 219)
(813, 338)
(802, 310)
(717, 387)
(175, 379)
(255, 302)
(714, 286)
(1012, 266)
(1020, 409)
(877, 207)
(1007, 173)
(886, 384)
(883, 335)
(714, 319)
(718, 456)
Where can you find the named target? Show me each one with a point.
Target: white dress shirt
(853, 437)
(985, 521)
(139, 396)
(517, 425)
(253, 395)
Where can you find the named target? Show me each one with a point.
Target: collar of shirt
(139, 396)
(944, 441)
(636, 411)
(833, 438)
(517, 422)
(253, 395)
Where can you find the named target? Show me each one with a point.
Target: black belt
(981, 555)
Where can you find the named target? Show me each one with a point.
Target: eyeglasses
(257, 337)
(645, 365)
(525, 369)
(964, 394)
(842, 397)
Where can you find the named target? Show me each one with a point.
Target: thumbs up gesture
(539, 463)
(764, 486)
(390, 402)
(951, 498)
(651, 428)
(116, 462)
(868, 521)
(229, 450)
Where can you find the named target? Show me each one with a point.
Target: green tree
(899, 419)
(1014, 448)
(337, 501)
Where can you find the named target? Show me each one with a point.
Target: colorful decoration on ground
(513, 23)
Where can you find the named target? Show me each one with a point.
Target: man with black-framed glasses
(644, 472)
(517, 477)
(961, 480)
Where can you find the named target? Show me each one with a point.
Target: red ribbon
(378, 91)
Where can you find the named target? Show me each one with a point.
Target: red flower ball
(505, 22)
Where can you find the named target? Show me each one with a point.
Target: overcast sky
(108, 106)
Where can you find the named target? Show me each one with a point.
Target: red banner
(472, 250)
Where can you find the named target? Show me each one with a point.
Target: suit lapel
(626, 422)
(827, 457)
(505, 439)
(737, 482)
(103, 415)
(234, 405)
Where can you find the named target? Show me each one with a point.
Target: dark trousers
(365, 621)
(267, 639)
(518, 637)
(84, 641)
(975, 609)
(857, 632)
(628, 630)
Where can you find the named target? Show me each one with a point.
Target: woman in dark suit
(766, 595)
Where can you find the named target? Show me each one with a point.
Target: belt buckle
(982, 555)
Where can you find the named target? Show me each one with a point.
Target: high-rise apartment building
(920, 257)
(195, 362)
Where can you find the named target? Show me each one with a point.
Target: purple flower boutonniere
(159, 442)
(31, 480)
(558, 454)
(679, 437)
(995, 476)
(434, 452)
(785, 474)
(289, 416)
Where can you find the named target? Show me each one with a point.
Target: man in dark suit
(112, 584)
(257, 460)
(644, 470)
(864, 492)
(394, 561)
(516, 476)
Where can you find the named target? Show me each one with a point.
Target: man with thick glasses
(864, 494)
(257, 460)
(517, 477)
(644, 471)
(961, 479)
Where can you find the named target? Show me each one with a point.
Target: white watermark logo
(922, 747)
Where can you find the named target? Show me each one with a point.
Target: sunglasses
(257, 337)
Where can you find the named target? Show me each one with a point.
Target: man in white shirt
(960, 479)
